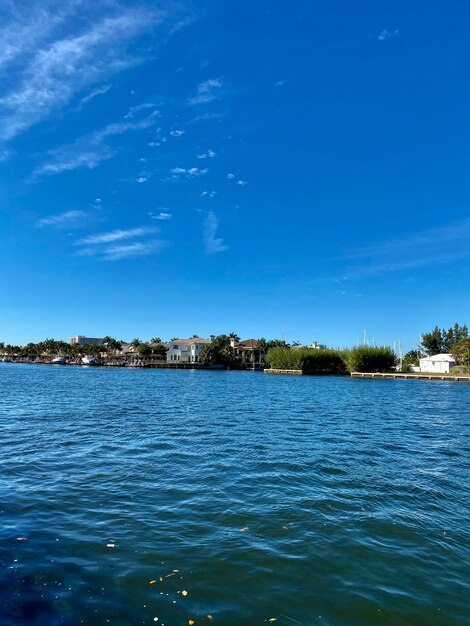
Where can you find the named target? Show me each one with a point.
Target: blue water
(306, 500)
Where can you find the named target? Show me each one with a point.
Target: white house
(438, 364)
(185, 350)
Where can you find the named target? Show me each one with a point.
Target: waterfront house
(437, 364)
(247, 353)
(186, 350)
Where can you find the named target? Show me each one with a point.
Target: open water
(266, 499)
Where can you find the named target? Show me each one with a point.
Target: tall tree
(461, 351)
(218, 352)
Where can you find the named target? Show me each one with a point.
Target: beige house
(186, 350)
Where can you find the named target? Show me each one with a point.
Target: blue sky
(274, 168)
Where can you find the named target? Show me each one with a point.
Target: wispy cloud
(88, 151)
(93, 94)
(212, 243)
(387, 34)
(210, 154)
(138, 108)
(68, 219)
(242, 183)
(116, 245)
(208, 194)
(115, 235)
(161, 215)
(56, 68)
(207, 91)
(177, 133)
(430, 247)
(117, 253)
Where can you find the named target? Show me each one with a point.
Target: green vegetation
(359, 359)
(219, 352)
(323, 362)
(443, 341)
(461, 351)
(369, 359)
(308, 360)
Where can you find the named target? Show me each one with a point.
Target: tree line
(454, 340)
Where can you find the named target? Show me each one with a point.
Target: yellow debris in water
(152, 582)
(184, 592)
(273, 619)
(191, 622)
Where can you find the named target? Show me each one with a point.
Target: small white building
(437, 364)
(185, 350)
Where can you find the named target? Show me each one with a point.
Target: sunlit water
(306, 500)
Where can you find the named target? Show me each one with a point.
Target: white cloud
(242, 183)
(162, 215)
(210, 154)
(93, 94)
(208, 194)
(117, 253)
(212, 244)
(88, 151)
(68, 219)
(207, 91)
(190, 173)
(280, 83)
(154, 144)
(387, 34)
(230, 176)
(177, 133)
(54, 68)
(138, 109)
(142, 179)
(115, 235)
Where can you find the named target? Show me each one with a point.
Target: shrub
(284, 358)
(306, 359)
(323, 362)
(369, 359)
(460, 370)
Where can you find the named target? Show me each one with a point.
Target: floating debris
(184, 593)
(22, 539)
(242, 530)
(152, 582)
(110, 545)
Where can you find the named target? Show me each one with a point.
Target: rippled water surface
(306, 500)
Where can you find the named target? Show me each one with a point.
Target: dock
(418, 376)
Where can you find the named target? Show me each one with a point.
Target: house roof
(191, 341)
(439, 357)
(247, 343)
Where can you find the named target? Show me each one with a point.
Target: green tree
(432, 342)
(461, 351)
(412, 357)
(218, 352)
(144, 349)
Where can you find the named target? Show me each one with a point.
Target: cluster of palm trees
(108, 348)
(219, 350)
